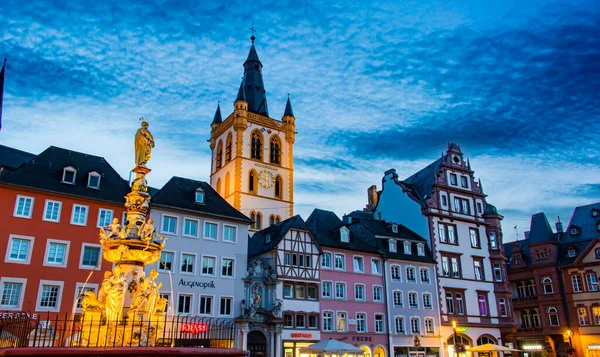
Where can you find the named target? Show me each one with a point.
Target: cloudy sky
(373, 87)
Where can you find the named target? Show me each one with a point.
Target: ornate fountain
(128, 310)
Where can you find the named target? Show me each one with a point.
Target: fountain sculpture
(128, 310)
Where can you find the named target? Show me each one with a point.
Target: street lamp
(454, 328)
(570, 342)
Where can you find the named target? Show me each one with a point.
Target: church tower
(252, 154)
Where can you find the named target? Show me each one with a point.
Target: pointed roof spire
(252, 85)
(288, 108)
(217, 119)
(241, 94)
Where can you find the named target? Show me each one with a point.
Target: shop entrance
(416, 354)
(257, 344)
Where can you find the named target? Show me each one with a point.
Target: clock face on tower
(265, 179)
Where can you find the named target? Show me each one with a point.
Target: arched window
(460, 340)
(228, 148)
(253, 218)
(252, 181)
(277, 219)
(219, 187)
(219, 160)
(256, 145)
(547, 285)
(227, 185)
(485, 339)
(552, 316)
(275, 150)
(278, 187)
(537, 320)
(258, 221)
(271, 220)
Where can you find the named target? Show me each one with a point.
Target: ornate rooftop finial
(253, 32)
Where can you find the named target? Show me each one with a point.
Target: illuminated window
(341, 321)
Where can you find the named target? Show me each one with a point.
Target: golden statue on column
(128, 310)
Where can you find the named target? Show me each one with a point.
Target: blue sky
(374, 86)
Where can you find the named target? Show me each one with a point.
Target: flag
(2, 90)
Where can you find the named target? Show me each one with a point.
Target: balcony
(524, 298)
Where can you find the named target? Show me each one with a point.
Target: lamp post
(454, 328)
(570, 342)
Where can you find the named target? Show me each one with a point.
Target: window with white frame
(326, 289)
(90, 256)
(420, 250)
(361, 322)
(326, 260)
(20, 249)
(69, 174)
(377, 293)
(93, 180)
(429, 326)
(79, 215)
(503, 307)
(498, 272)
(169, 224)
(413, 300)
(327, 321)
(407, 247)
(23, 207)
(359, 292)
(395, 228)
(229, 233)
(52, 211)
(188, 261)
(478, 267)
(547, 285)
(375, 266)
(399, 324)
(424, 275)
(392, 246)
(592, 282)
(288, 291)
(12, 292)
(397, 297)
(199, 196)
(227, 267)
(80, 290)
(49, 295)
(379, 323)
(411, 277)
(300, 291)
(447, 233)
(341, 321)
(104, 217)
(474, 237)
(552, 313)
(166, 261)
(427, 301)
(339, 262)
(359, 264)
(415, 326)
(340, 290)
(57, 252)
(582, 314)
(577, 284)
(344, 235)
(184, 304)
(493, 240)
(210, 231)
(206, 303)
(208, 266)
(190, 227)
(395, 272)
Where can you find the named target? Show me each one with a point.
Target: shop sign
(461, 329)
(194, 328)
(18, 315)
(362, 338)
(351, 321)
(198, 284)
(301, 335)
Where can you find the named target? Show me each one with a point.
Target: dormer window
(395, 228)
(595, 213)
(392, 246)
(93, 180)
(571, 253)
(574, 230)
(69, 174)
(268, 238)
(421, 249)
(199, 195)
(407, 248)
(344, 235)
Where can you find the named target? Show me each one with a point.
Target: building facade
(252, 153)
(446, 203)
(203, 264)
(352, 292)
(52, 208)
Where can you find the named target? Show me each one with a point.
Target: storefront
(415, 346)
(416, 351)
(374, 344)
(294, 341)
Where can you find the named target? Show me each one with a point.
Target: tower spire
(218, 119)
(288, 112)
(252, 83)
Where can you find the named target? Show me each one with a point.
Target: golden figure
(114, 288)
(144, 142)
(153, 294)
(147, 230)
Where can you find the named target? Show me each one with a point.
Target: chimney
(559, 226)
(372, 197)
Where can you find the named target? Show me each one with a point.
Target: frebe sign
(198, 284)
